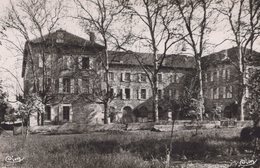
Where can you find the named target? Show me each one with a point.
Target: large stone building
(222, 81)
(65, 70)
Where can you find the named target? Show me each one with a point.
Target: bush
(246, 134)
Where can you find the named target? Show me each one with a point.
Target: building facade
(223, 82)
(66, 71)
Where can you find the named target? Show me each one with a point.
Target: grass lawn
(123, 149)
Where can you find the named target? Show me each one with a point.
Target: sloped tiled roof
(68, 39)
(134, 58)
(229, 55)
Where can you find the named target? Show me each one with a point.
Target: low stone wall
(187, 125)
(70, 128)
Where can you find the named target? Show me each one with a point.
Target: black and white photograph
(129, 83)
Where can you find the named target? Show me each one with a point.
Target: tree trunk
(105, 113)
(155, 87)
(243, 84)
(106, 100)
(155, 104)
(200, 96)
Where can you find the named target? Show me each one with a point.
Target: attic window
(60, 37)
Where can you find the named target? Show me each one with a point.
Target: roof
(229, 55)
(65, 38)
(135, 58)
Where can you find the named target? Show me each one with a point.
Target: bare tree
(102, 16)
(196, 16)
(242, 17)
(159, 31)
(31, 20)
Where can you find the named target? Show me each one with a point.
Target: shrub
(246, 134)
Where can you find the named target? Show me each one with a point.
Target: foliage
(253, 101)
(3, 102)
(32, 105)
(246, 134)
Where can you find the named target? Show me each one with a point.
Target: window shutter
(211, 76)
(177, 78)
(217, 93)
(211, 93)
(72, 84)
(60, 85)
(122, 77)
(138, 94)
(217, 74)
(70, 114)
(224, 92)
(80, 62)
(91, 63)
(123, 93)
(80, 85)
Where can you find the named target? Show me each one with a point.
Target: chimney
(92, 37)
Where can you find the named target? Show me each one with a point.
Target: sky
(11, 61)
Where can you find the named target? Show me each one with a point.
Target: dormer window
(60, 37)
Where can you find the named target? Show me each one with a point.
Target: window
(159, 93)
(206, 77)
(66, 85)
(228, 74)
(85, 85)
(211, 93)
(47, 113)
(224, 74)
(127, 77)
(229, 92)
(160, 78)
(60, 37)
(143, 77)
(57, 85)
(67, 62)
(143, 93)
(176, 94)
(175, 78)
(170, 94)
(216, 93)
(66, 113)
(111, 76)
(48, 83)
(85, 63)
(112, 92)
(137, 77)
(127, 93)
